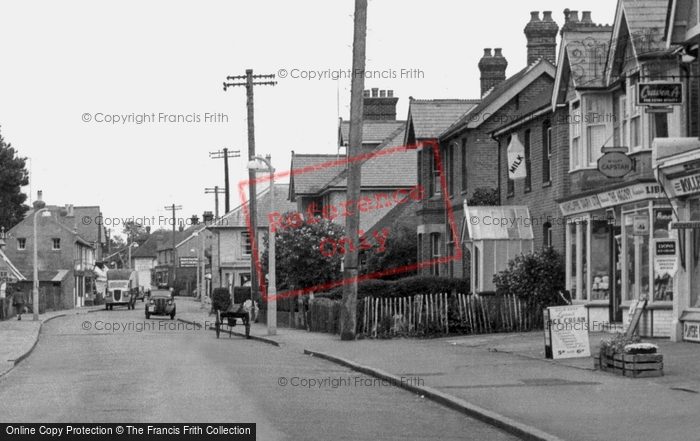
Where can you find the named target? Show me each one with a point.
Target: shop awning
(497, 223)
(7, 269)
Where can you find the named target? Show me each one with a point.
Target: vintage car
(160, 302)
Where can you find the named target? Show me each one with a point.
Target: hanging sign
(516, 159)
(614, 164)
(660, 94)
(569, 331)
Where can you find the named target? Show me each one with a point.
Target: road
(163, 371)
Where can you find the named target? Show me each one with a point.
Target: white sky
(60, 60)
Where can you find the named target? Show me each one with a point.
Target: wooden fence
(429, 314)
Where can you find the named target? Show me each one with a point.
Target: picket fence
(429, 314)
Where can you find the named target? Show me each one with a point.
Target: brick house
(65, 259)
(469, 153)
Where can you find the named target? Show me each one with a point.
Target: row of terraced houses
(627, 90)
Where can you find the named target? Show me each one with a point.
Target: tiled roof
(539, 102)
(645, 15)
(89, 231)
(318, 174)
(236, 217)
(399, 215)
(167, 243)
(493, 95)
(430, 118)
(48, 275)
(388, 170)
(149, 248)
(373, 132)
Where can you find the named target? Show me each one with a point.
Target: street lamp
(200, 260)
(272, 283)
(35, 288)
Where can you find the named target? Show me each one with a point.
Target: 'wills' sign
(660, 94)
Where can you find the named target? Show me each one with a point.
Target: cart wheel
(218, 329)
(247, 328)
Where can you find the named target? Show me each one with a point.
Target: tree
(401, 251)
(484, 196)
(299, 262)
(133, 230)
(13, 176)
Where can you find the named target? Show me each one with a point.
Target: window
(21, 243)
(547, 152)
(635, 118)
(56, 244)
(420, 167)
(464, 164)
(547, 235)
(435, 188)
(575, 135)
(435, 253)
(246, 248)
(528, 174)
(595, 129)
(450, 167)
(659, 125)
(624, 116)
(420, 248)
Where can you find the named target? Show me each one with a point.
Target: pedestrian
(18, 302)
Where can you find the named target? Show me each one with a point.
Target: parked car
(161, 302)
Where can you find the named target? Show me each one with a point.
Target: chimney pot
(148, 229)
(497, 53)
(375, 92)
(534, 16)
(390, 93)
(547, 16)
(366, 93)
(39, 195)
(586, 18)
(382, 93)
(487, 52)
(573, 16)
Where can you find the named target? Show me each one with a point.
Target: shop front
(676, 163)
(611, 236)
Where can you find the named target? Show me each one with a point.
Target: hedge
(408, 286)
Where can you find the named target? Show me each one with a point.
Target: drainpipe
(499, 168)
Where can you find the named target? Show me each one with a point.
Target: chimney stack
(194, 219)
(493, 69)
(39, 204)
(148, 229)
(207, 217)
(542, 37)
(381, 106)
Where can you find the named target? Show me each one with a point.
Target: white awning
(497, 223)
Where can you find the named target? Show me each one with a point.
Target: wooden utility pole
(225, 154)
(348, 311)
(216, 192)
(174, 207)
(252, 198)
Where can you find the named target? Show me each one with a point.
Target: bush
(240, 294)
(484, 196)
(538, 276)
(405, 287)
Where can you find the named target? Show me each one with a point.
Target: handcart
(231, 316)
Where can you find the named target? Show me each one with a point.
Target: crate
(630, 365)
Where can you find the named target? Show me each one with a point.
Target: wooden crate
(631, 365)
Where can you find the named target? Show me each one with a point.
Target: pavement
(502, 379)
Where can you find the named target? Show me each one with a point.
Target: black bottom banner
(28, 432)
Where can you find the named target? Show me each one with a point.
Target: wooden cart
(230, 317)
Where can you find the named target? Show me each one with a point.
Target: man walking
(18, 302)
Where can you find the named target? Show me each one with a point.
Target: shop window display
(600, 261)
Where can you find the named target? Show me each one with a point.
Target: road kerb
(504, 423)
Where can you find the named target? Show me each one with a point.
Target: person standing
(18, 302)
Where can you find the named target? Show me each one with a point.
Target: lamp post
(35, 287)
(272, 283)
(200, 261)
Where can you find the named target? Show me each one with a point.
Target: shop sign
(660, 94)
(691, 331)
(633, 193)
(6, 276)
(665, 257)
(568, 328)
(614, 164)
(641, 225)
(686, 185)
(580, 205)
(188, 262)
(683, 225)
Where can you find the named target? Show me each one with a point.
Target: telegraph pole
(225, 154)
(174, 207)
(348, 311)
(216, 192)
(249, 84)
